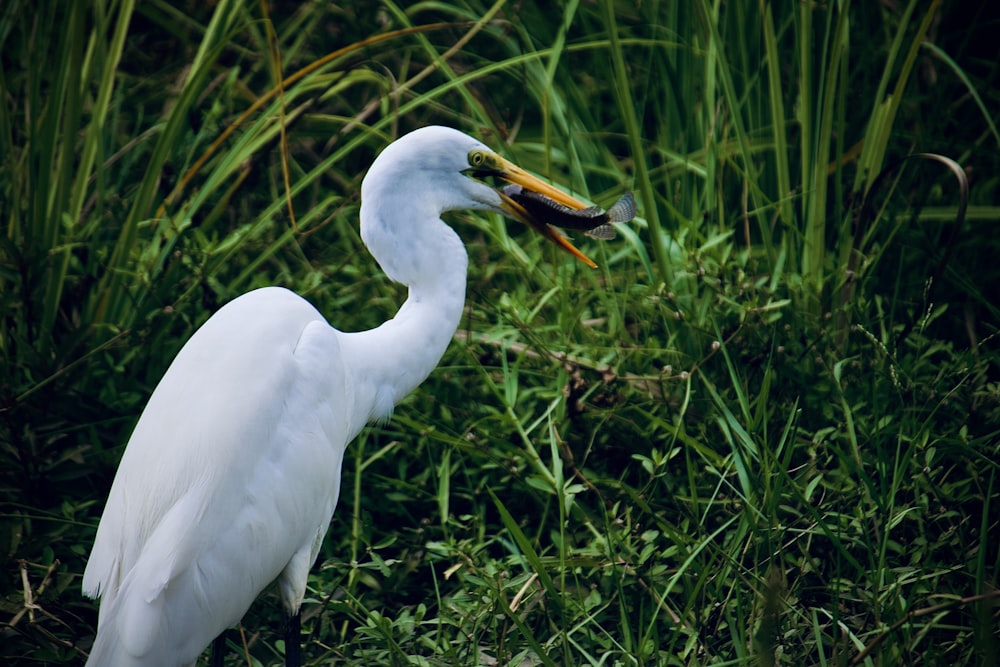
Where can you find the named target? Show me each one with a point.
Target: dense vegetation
(766, 430)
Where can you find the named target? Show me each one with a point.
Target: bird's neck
(390, 361)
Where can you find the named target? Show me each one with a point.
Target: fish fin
(601, 232)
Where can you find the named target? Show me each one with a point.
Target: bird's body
(232, 473)
(220, 465)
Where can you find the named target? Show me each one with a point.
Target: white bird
(232, 473)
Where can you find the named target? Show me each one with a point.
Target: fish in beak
(550, 204)
(593, 221)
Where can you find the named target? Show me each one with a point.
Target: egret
(231, 476)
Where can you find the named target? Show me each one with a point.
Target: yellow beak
(510, 172)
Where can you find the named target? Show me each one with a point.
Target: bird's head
(437, 169)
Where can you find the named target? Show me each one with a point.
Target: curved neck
(390, 361)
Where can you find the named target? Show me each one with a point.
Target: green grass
(765, 431)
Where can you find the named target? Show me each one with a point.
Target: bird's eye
(477, 158)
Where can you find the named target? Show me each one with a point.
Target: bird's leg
(218, 650)
(293, 648)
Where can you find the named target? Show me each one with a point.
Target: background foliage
(764, 431)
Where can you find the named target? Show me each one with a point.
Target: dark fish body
(593, 221)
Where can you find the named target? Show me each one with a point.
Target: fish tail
(622, 210)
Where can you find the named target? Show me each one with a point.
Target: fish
(593, 221)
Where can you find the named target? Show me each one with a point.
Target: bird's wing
(232, 472)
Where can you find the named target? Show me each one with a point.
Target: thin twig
(917, 613)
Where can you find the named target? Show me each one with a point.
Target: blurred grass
(701, 453)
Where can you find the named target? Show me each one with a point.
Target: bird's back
(227, 483)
